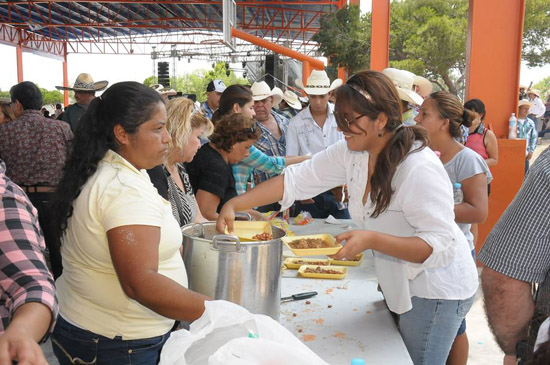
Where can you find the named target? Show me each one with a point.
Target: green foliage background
(196, 82)
(427, 37)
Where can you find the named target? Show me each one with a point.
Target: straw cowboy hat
(534, 92)
(85, 82)
(292, 100)
(318, 83)
(524, 102)
(261, 90)
(403, 81)
(163, 90)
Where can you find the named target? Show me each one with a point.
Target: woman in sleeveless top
(481, 139)
(186, 127)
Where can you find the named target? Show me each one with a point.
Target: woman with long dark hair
(123, 282)
(401, 197)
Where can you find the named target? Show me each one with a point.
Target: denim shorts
(73, 345)
(462, 327)
(430, 327)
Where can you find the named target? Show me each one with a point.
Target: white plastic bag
(229, 334)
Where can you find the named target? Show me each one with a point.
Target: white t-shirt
(422, 206)
(89, 292)
(304, 135)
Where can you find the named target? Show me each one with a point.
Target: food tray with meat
(296, 262)
(356, 261)
(323, 272)
(249, 231)
(312, 245)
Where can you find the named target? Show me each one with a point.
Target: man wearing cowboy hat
(290, 105)
(537, 109)
(410, 99)
(273, 125)
(527, 130)
(313, 130)
(214, 91)
(84, 92)
(34, 149)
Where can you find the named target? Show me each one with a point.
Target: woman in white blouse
(401, 197)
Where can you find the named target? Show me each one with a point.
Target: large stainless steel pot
(246, 273)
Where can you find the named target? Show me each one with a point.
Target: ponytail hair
(128, 104)
(371, 93)
(234, 94)
(450, 107)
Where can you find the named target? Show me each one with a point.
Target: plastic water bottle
(357, 361)
(457, 193)
(512, 127)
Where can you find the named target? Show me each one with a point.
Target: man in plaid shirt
(29, 306)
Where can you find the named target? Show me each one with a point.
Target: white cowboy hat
(403, 81)
(163, 90)
(425, 86)
(260, 91)
(534, 92)
(318, 83)
(85, 82)
(292, 100)
(524, 102)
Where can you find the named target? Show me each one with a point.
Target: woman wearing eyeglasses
(210, 172)
(401, 198)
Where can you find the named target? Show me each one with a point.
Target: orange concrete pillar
(342, 73)
(493, 59)
(306, 70)
(380, 35)
(65, 76)
(19, 55)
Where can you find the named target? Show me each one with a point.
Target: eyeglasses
(346, 120)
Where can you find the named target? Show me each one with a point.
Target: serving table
(348, 318)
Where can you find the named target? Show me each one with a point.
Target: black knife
(299, 296)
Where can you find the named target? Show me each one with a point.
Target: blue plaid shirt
(257, 160)
(270, 145)
(207, 111)
(528, 131)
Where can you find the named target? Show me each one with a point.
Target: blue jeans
(324, 206)
(430, 327)
(73, 345)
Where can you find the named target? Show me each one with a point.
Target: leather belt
(38, 189)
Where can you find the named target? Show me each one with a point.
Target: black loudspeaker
(270, 63)
(164, 74)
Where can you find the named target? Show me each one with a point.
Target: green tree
(427, 37)
(544, 87)
(150, 81)
(344, 38)
(536, 33)
(196, 82)
(51, 96)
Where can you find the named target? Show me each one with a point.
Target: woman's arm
(492, 148)
(134, 251)
(474, 209)
(208, 204)
(265, 193)
(291, 160)
(412, 249)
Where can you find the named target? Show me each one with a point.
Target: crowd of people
(107, 188)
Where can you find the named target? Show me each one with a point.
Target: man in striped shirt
(29, 307)
(516, 255)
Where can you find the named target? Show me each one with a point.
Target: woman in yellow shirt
(124, 282)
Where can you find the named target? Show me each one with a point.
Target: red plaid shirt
(35, 148)
(24, 276)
